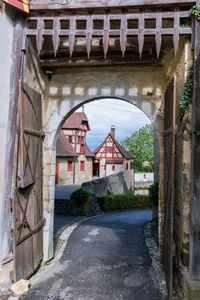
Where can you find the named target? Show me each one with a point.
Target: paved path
(64, 191)
(105, 259)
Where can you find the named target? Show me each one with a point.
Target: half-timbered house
(74, 159)
(112, 158)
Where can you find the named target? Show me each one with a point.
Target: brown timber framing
(140, 32)
(103, 4)
(97, 61)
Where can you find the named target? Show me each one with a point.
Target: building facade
(112, 158)
(74, 159)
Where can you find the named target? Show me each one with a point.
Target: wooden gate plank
(28, 199)
(169, 148)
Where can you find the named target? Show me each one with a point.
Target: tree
(141, 145)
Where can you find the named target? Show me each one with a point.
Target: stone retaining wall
(113, 184)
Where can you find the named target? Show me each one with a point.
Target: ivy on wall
(195, 11)
(186, 98)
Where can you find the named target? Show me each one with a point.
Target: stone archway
(52, 129)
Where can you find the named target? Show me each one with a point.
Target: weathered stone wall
(174, 66)
(129, 174)
(182, 174)
(113, 184)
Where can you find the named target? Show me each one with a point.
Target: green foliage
(140, 145)
(80, 196)
(153, 194)
(195, 11)
(187, 96)
(142, 188)
(123, 202)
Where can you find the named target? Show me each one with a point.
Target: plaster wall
(118, 168)
(64, 176)
(144, 179)
(7, 18)
(83, 176)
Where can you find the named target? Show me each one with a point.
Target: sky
(102, 114)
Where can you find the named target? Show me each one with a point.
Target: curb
(155, 258)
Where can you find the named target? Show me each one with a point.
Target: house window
(113, 168)
(70, 139)
(126, 166)
(82, 165)
(69, 165)
(132, 165)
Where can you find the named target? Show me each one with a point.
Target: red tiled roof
(75, 121)
(88, 152)
(126, 154)
(63, 147)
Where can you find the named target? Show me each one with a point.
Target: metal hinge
(10, 204)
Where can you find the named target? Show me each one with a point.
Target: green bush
(123, 202)
(153, 194)
(80, 196)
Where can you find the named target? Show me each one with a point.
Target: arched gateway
(137, 54)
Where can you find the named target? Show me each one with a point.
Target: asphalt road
(105, 259)
(64, 191)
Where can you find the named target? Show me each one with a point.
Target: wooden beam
(59, 63)
(103, 4)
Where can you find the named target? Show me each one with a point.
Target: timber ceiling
(101, 36)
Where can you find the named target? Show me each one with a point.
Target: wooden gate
(28, 196)
(169, 148)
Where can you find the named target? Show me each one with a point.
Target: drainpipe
(74, 171)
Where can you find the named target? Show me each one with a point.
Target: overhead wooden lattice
(56, 31)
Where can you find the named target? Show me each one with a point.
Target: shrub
(123, 202)
(153, 194)
(80, 196)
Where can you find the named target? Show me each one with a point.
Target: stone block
(20, 287)
(46, 193)
(191, 287)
